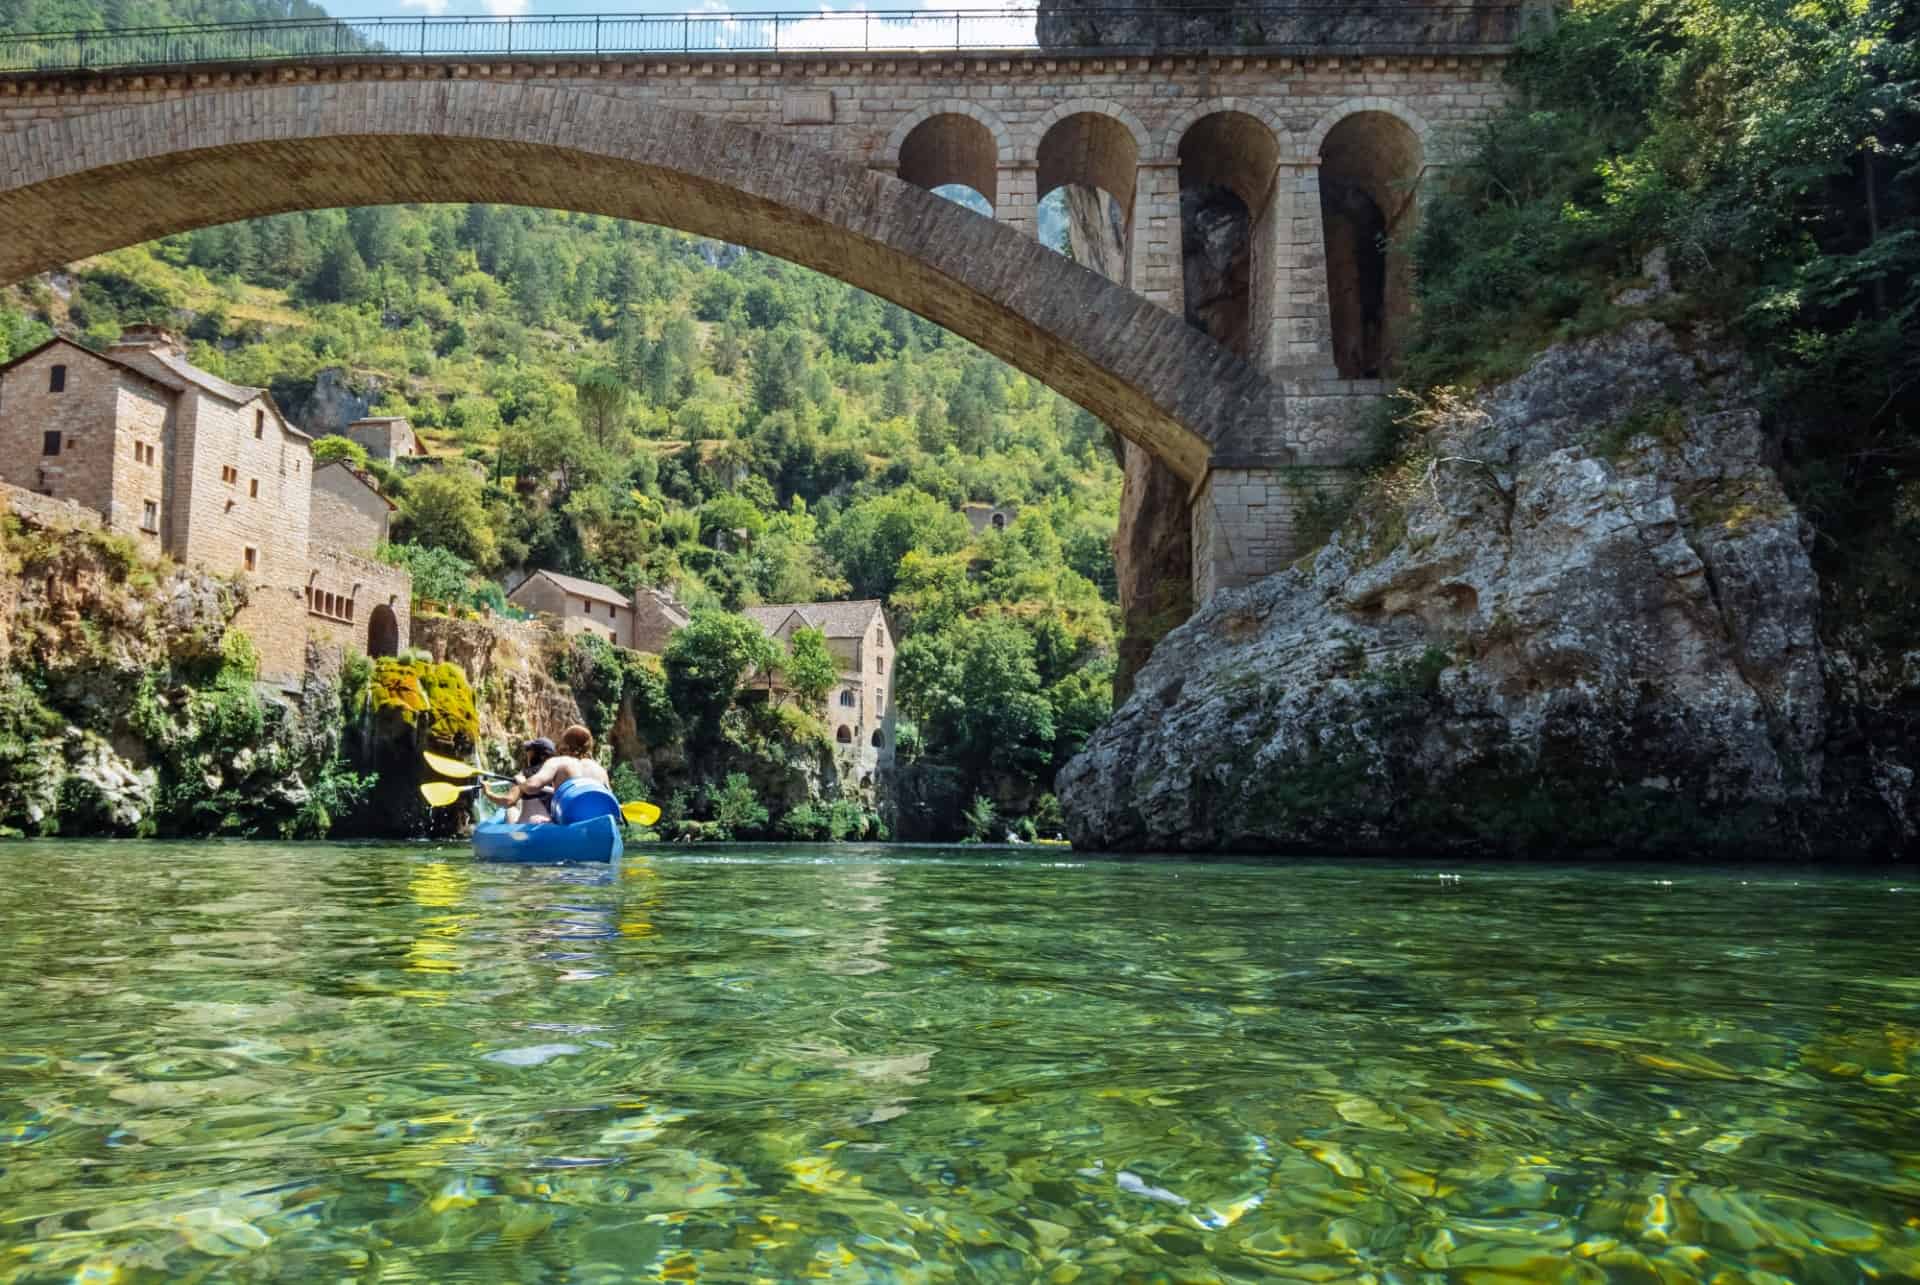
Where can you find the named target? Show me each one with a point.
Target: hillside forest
(641, 407)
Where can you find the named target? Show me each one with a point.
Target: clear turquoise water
(257, 1062)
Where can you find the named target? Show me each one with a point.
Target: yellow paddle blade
(640, 813)
(450, 767)
(439, 793)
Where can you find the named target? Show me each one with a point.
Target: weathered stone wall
(44, 510)
(572, 614)
(347, 513)
(101, 411)
(362, 583)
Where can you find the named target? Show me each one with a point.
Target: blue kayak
(597, 839)
(588, 829)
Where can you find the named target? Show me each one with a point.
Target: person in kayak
(574, 762)
(527, 805)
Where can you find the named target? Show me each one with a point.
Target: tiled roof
(357, 476)
(575, 585)
(167, 367)
(834, 619)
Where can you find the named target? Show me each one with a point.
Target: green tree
(439, 575)
(443, 508)
(706, 663)
(737, 810)
(332, 448)
(604, 401)
(810, 671)
(341, 276)
(869, 538)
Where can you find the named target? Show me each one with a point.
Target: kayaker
(523, 802)
(574, 762)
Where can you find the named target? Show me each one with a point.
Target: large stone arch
(74, 187)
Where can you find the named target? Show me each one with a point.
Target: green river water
(388, 1063)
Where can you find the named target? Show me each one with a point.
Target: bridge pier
(1250, 522)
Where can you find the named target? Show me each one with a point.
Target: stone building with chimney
(206, 472)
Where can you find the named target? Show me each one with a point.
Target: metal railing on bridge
(1377, 28)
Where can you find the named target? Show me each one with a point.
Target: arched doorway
(1369, 164)
(383, 632)
(1227, 163)
(844, 735)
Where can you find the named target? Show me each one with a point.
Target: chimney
(148, 338)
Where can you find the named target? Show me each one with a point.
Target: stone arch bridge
(825, 159)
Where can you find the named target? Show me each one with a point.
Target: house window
(253, 488)
(259, 424)
(229, 474)
(150, 516)
(57, 380)
(879, 664)
(142, 453)
(50, 442)
(846, 697)
(611, 612)
(252, 558)
(880, 700)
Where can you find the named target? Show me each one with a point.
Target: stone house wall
(344, 595)
(575, 615)
(656, 619)
(386, 440)
(47, 511)
(101, 412)
(347, 513)
(246, 479)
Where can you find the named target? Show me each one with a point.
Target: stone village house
(857, 708)
(212, 475)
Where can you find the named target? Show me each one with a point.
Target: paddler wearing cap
(523, 804)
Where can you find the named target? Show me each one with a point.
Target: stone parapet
(45, 510)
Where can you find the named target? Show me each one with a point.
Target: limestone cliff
(128, 706)
(1578, 616)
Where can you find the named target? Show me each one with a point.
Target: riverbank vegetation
(1764, 155)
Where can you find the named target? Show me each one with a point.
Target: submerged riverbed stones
(1579, 613)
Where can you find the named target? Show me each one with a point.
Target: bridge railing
(1376, 28)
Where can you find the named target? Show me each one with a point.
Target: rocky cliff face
(127, 706)
(1578, 616)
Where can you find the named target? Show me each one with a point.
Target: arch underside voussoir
(116, 177)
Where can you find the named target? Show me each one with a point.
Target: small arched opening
(879, 739)
(383, 632)
(1227, 164)
(844, 735)
(1087, 171)
(1369, 164)
(952, 155)
(999, 521)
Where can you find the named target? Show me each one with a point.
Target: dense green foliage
(1773, 151)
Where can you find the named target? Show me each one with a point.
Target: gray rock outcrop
(1579, 615)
